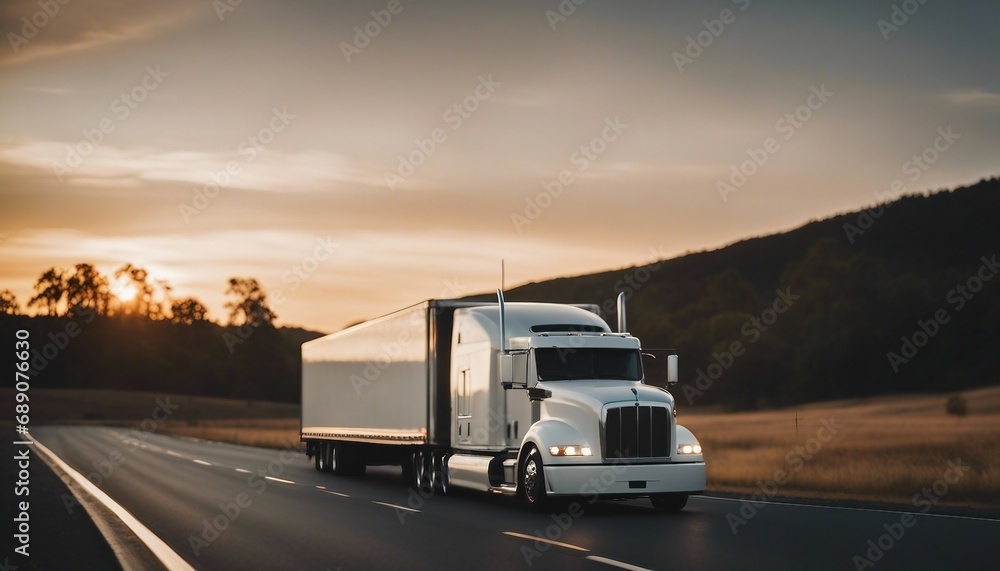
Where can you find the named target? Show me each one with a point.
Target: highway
(221, 506)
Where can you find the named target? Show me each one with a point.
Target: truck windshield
(567, 364)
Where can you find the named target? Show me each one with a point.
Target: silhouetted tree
(250, 306)
(49, 291)
(187, 311)
(8, 303)
(87, 288)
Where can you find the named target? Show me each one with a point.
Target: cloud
(267, 170)
(973, 97)
(36, 33)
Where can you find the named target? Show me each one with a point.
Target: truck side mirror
(514, 369)
(506, 370)
(672, 370)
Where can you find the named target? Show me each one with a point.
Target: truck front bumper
(622, 480)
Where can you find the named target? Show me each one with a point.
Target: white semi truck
(536, 399)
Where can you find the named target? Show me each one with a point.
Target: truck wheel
(669, 502)
(439, 480)
(417, 471)
(533, 480)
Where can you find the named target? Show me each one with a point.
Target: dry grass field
(886, 449)
(263, 432)
(883, 449)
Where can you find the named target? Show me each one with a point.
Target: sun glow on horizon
(124, 290)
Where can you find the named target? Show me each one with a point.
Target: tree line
(64, 293)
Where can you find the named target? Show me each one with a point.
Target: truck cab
(563, 409)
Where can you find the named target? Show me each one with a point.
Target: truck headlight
(689, 449)
(570, 450)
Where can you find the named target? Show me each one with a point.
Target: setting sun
(125, 291)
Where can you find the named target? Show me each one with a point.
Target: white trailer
(535, 399)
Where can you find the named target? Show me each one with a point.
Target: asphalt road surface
(226, 507)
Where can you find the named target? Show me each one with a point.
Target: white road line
(618, 564)
(202, 462)
(172, 453)
(278, 480)
(854, 509)
(241, 470)
(335, 493)
(395, 506)
(170, 559)
(546, 540)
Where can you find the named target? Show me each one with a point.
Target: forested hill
(896, 298)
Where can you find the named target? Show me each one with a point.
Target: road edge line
(167, 556)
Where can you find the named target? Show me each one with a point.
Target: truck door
(521, 413)
(463, 405)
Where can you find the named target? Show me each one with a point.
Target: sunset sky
(119, 116)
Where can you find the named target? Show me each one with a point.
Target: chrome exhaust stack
(503, 324)
(621, 313)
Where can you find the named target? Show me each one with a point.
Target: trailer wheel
(409, 466)
(324, 456)
(669, 502)
(533, 480)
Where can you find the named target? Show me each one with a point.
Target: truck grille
(637, 432)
